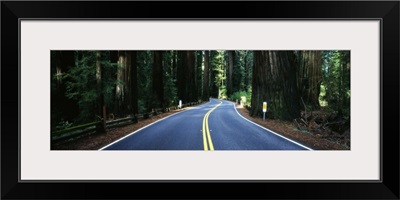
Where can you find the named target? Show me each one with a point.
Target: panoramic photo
(206, 100)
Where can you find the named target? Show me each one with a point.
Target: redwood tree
(191, 90)
(309, 77)
(158, 87)
(187, 91)
(275, 81)
(99, 87)
(206, 86)
(120, 108)
(133, 81)
(230, 72)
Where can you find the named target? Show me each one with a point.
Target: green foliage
(109, 82)
(241, 74)
(336, 81)
(218, 66)
(248, 68)
(170, 89)
(222, 92)
(238, 95)
(238, 75)
(81, 83)
(144, 62)
(322, 97)
(141, 106)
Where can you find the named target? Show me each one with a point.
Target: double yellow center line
(206, 131)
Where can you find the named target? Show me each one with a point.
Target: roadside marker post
(264, 109)
(180, 104)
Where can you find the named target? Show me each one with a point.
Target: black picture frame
(386, 11)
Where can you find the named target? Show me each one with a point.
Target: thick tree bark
(275, 81)
(309, 77)
(206, 86)
(126, 101)
(259, 82)
(158, 86)
(185, 73)
(291, 100)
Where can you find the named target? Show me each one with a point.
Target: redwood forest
(97, 95)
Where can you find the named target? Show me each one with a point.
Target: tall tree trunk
(99, 88)
(259, 82)
(250, 72)
(237, 72)
(180, 73)
(274, 81)
(174, 64)
(158, 86)
(191, 90)
(199, 77)
(185, 73)
(229, 88)
(120, 90)
(309, 77)
(133, 83)
(206, 86)
(345, 57)
(341, 94)
(213, 74)
(127, 84)
(195, 69)
(246, 71)
(114, 59)
(290, 95)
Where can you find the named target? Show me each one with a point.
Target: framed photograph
(110, 96)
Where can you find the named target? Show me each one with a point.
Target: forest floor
(285, 128)
(289, 130)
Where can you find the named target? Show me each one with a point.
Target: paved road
(212, 126)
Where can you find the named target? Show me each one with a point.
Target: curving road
(216, 125)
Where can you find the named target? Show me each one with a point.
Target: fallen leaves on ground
(289, 130)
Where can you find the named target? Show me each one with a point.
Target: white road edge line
(142, 129)
(277, 134)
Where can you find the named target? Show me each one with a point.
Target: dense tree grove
(84, 83)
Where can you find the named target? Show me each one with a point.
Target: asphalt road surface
(216, 125)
